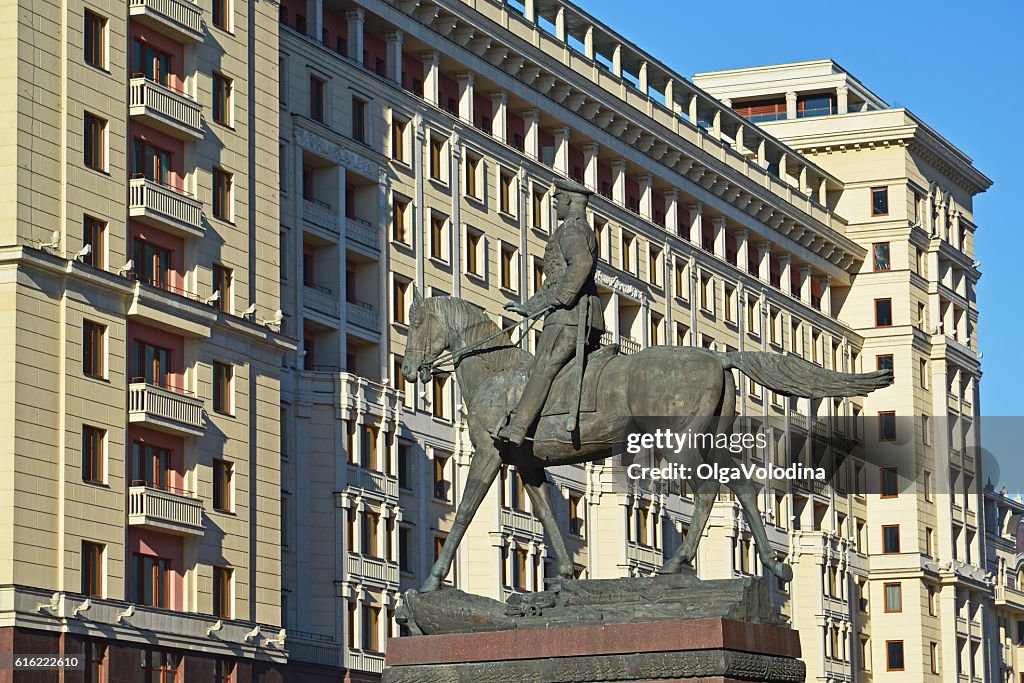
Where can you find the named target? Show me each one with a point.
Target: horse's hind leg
(537, 488)
(704, 494)
(748, 501)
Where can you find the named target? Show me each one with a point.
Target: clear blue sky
(957, 66)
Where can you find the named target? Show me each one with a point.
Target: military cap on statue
(566, 185)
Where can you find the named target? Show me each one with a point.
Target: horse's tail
(794, 376)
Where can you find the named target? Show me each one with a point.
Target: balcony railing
(165, 409)
(372, 662)
(364, 315)
(320, 213)
(373, 568)
(321, 299)
(176, 513)
(313, 648)
(520, 521)
(362, 232)
(375, 482)
(628, 345)
(182, 18)
(165, 206)
(643, 554)
(162, 108)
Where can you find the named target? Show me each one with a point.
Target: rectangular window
(508, 268)
(371, 628)
(223, 379)
(890, 482)
(222, 287)
(161, 667)
(222, 592)
(95, 143)
(222, 14)
(880, 256)
(224, 670)
(95, 40)
(151, 162)
(317, 88)
(883, 312)
(94, 238)
(894, 655)
(505, 193)
(404, 465)
(891, 538)
(222, 88)
(879, 201)
(152, 364)
(654, 265)
(887, 425)
(884, 362)
(436, 158)
(93, 455)
(152, 580)
(473, 164)
(893, 597)
(150, 466)
(222, 194)
(92, 569)
(577, 520)
(368, 448)
(399, 213)
(223, 472)
(439, 237)
(933, 657)
(358, 120)
(398, 300)
(442, 487)
(95, 662)
(537, 210)
(474, 251)
(94, 349)
(398, 127)
(405, 549)
(370, 538)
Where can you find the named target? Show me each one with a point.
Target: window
(95, 662)
(405, 548)
(222, 89)
(221, 195)
(437, 159)
(94, 237)
(404, 465)
(894, 655)
(707, 292)
(151, 162)
(891, 538)
(317, 88)
(884, 362)
(729, 300)
(537, 210)
(368, 448)
(370, 540)
(398, 128)
(358, 120)
(223, 378)
(95, 40)
(93, 455)
(152, 364)
(929, 541)
(933, 657)
(224, 669)
(509, 259)
(577, 519)
(887, 425)
(519, 563)
(883, 312)
(222, 286)
(398, 298)
(92, 569)
(222, 592)
(654, 265)
(641, 526)
(890, 482)
(222, 475)
(399, 219)
(95, 143)
(924, 373)
(439, 245)
(94, 349)
(880, 256)
(160, 667)
(505, 193)
(222, 14)
(879, 201)
(927, 484)
(442, 487)
(473, 166)
(371, 626)
(152, 580)
(893, 597)
(475, 252)
(150, 466)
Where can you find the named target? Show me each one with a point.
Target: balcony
(320, 299)
(175, 513)
(628, 345)
(381, 484)
(180, 19)
(362, 232)
(165, 409)
(364, 315)
(372, 568)
(171, 309)
(313, 648)
(645, 556)
(1010, 597)
(372, 662)
(320, 214)
(522, 522)
(168, 111)
(165, 207)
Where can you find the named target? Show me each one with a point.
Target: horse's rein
(455, 358)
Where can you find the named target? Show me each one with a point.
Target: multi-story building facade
(243, 471)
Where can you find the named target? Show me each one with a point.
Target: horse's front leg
(537, 488)
(483, 468)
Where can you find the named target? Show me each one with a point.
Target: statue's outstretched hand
(517, 308)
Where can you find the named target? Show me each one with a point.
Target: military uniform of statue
(569, 294)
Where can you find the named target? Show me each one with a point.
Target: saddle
(562, 389)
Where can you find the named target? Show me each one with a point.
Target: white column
(617, 61)
(499, 115)
(672, 212)
(531, 133)
(561, 150)
(431, 77)
(465, 81)
(762, 153)
(530, 10)
(842, 99)
(619, 181)
(642, 78)
(696, 223)
(786, 273)
(791, 105)
(826, 294)
(693, 108)
(764, 272)
(588, 43)
(823, 191)
(783, 171)
(670, 96)
(742, 249)
(805, 284)
(315, 24)
(560, 24)
(718, 227)
(590, 155)
(356, 18)
(804, 187)
(716, 125)
(739, 138)
(646, 200)
(394, 55)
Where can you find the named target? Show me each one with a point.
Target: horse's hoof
(669, 568)
(783, 571)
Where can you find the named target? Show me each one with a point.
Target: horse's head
(427, 339)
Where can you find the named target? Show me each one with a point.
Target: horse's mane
(472, 324)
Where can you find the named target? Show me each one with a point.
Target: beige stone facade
(415, 145)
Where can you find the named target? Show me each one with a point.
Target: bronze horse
(692, 386)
